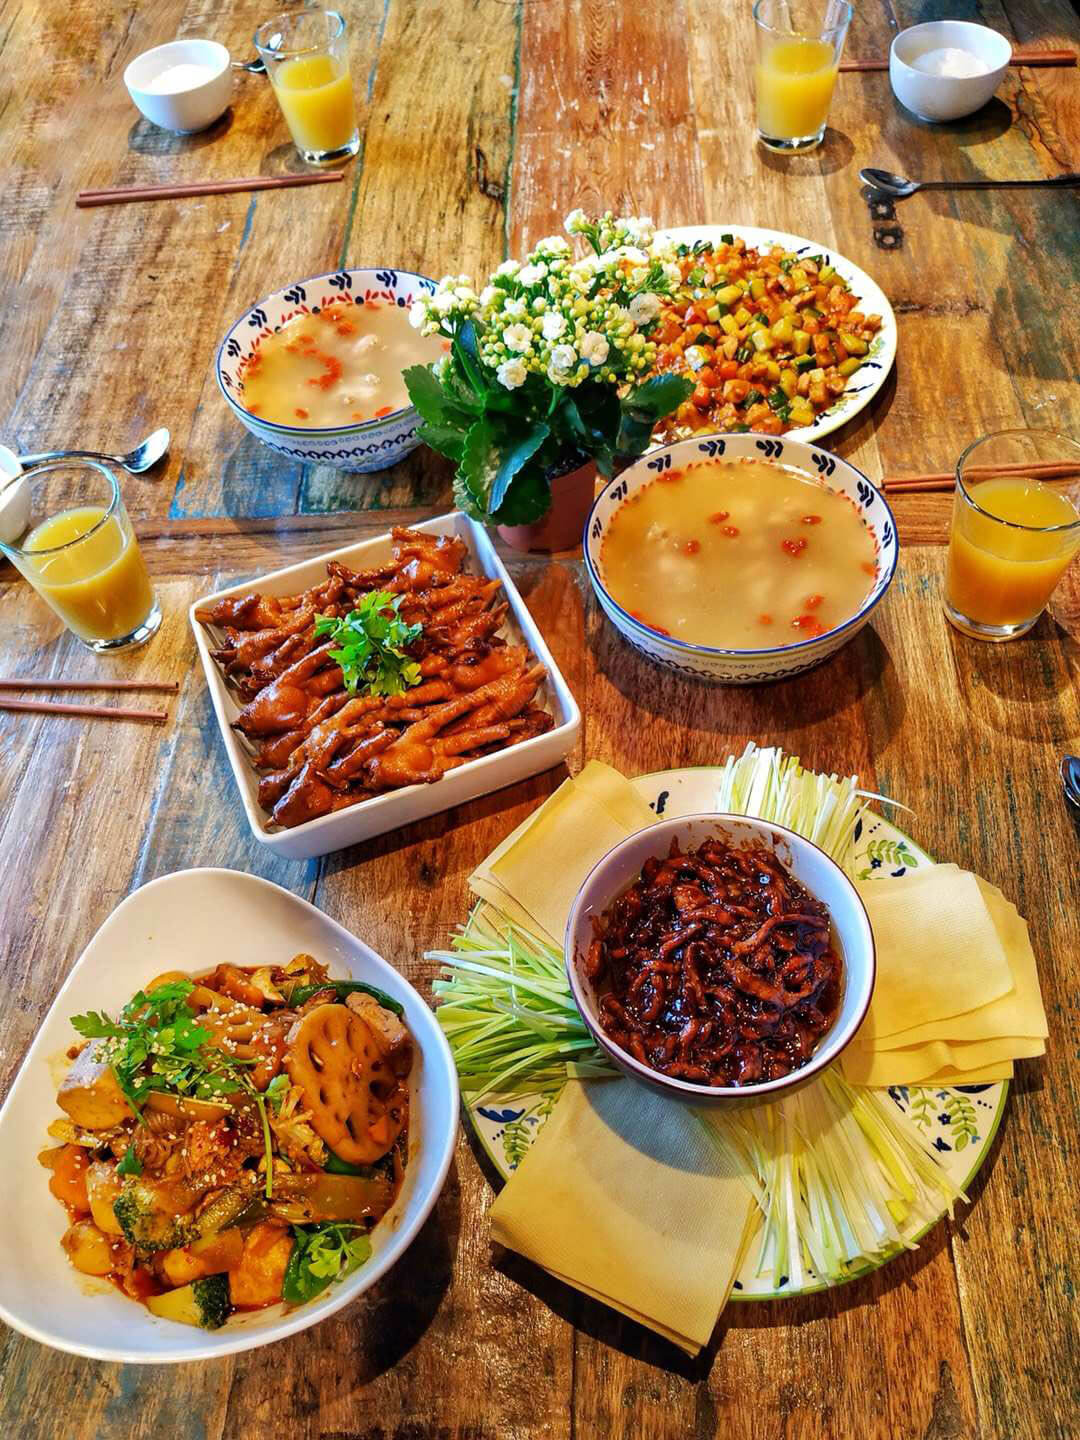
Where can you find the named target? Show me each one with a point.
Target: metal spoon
(900, 187)
(253, 67)
(1070, 779)
(135, 461)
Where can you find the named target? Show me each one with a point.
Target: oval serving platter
(872, 374)
(959, 1122)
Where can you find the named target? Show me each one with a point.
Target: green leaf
(426, 393)
(478, 464)
(513, 459)
(320, 1255)
(657, 397)
(448, 439)
(276, 1091)
(528, 499)
(372, 644)
(95, 1026)
(130, 1164)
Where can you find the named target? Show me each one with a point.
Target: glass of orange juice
(306, 55)
(1015, 529)
(799, 44)
(80, 554)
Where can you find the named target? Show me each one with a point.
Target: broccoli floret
(212, 1297)
(144, 1223)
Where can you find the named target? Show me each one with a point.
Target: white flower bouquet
(544, 367)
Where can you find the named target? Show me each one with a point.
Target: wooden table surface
(484, 122)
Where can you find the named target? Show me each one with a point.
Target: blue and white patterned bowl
(370, 445)
(743, 667)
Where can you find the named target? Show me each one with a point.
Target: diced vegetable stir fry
(770, 337)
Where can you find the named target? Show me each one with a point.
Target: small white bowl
(743, 667)
(364, 446)
(812, 868)
(183, 111)
(946, 97)
(14, 497)
(187, 921)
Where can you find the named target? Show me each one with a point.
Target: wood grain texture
(484, 122)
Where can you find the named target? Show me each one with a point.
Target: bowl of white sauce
(183, 86)
(947, 68)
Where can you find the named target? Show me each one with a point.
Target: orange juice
(998, 574)
(98, 586)
(795, 79)
(316, 97)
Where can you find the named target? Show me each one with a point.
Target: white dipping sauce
(949, 62)
(184, 76)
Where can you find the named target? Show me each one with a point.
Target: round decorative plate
(872, 373)
(958, 1122)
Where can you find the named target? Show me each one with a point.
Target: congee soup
(340, 366)
(738, 555)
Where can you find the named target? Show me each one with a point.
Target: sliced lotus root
(337, 1061)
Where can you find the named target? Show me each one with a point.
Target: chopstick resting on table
(1019, 57)
(169, 687)
(86, 199)
(946, 479)
(96, 712)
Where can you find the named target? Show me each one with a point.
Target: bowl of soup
(740, 559)
(315, 370)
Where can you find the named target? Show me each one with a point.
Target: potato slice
(337, 1061)
(90, 1095)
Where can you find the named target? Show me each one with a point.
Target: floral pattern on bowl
(744, 667)
(369, 445)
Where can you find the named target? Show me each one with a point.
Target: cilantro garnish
(372, 641)
(322, 1254)
(130, 1164)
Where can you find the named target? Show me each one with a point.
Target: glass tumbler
(79, 552)
(799, 44)
(306, 55)
(1015, 528)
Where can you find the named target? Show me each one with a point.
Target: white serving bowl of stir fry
(256, 1116)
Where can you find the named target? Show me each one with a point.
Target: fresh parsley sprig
(322, 1254)
(372, 642)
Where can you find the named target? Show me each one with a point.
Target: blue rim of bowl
(326, 430)
(860, 615)
(686, 1088)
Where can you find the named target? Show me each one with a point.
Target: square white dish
(189, 921)
(396, 807)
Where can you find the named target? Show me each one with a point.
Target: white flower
(639, 229)
(644, 308)
(516, 309)
(488, 294)
(443, 302)
(575, 222)
(552, 325)
(672, 273)
(508, 267)
(465, 292)
(417, 314)
(632, 253)
(442, 367)
(563, 360)
(594, 347)
(553, 245)
(518, 337)
(512, 373)
(532, 274)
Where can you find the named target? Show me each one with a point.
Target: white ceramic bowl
(616, 872)
(946, 97)
(189, 921)
(743, 667)
(184, 111)
(370, 445)
(396, 807)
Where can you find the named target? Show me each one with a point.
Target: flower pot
(562, 527)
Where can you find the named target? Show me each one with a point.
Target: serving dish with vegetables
(779, 333)
(237, 1151)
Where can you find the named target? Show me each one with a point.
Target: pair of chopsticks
(97, 712)
(86, 199)
(946, 479)
(1019, 57)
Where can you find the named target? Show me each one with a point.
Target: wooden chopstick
(946, 479)
(89, 198)
(1019, 57)
(97, 712)
(169, 687)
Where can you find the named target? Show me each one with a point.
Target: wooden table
(484, 123)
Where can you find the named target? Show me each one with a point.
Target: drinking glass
(799, 44)
(80, 554)
(306, 56)
(1015, 528)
